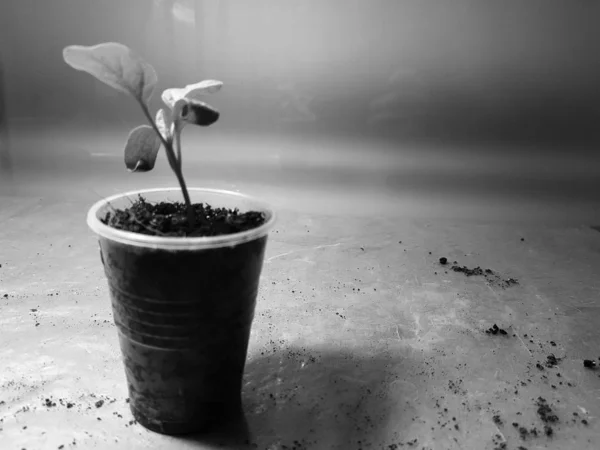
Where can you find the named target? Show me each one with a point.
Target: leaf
(141, 149)
(164, 123)
(194, 91)
(115, 65)
(197, 112)
(190, 92)
(170, 96)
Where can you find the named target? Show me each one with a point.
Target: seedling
(122, 69)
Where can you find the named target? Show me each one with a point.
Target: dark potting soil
(171, 219)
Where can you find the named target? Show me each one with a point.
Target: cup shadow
(298, 398)
(232, 433)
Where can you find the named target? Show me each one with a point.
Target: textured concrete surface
(361, 338)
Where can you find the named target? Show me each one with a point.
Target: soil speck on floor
(491, 277)
(547, 416)
(495, 329)
(552, 361)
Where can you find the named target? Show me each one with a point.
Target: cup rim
(180, 243)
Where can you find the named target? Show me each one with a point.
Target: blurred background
(482, 102)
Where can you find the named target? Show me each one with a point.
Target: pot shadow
(298, 398)
(232, 433)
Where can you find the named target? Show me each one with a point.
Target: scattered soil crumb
(496, 330)
(545, 413)
(523, 432)
(490, 276)
(552, 361)
(477, 271)
(499, 442)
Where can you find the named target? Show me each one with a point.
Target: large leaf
(141, 149)
(190, 92)
(196, 112)
(116, 65)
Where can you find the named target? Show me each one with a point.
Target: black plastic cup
(183, 308)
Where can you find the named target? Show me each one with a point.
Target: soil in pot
(170, 219)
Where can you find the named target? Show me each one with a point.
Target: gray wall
(455, 70)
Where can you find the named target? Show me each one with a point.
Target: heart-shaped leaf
(116, 65)
(164, 124)
(190, 92)
(141, 149)
(197, 112)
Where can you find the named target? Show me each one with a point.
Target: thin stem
(177, 138)
(175, 165)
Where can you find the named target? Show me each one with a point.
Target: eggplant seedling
(122, 69)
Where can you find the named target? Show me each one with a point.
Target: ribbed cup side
(184, 321)
(174, 325)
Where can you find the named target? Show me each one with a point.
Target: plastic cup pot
(183, 308)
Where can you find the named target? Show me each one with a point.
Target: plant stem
(177, 138)
(175, 165)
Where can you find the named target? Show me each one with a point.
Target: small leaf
(170, 96)
(164, 123)
(190, 92)
(194, 91)
(141, 149)
(115, 65)
(197, 112)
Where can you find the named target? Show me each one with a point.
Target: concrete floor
(361, 338)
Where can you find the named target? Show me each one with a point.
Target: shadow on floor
(299, 399)
(597, 228)
(233, 434)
